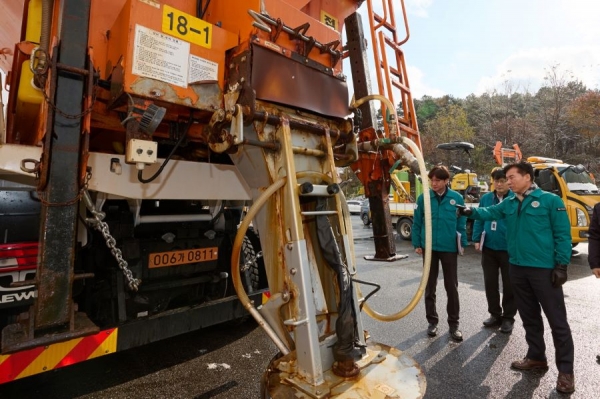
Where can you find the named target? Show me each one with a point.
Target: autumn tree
(583, 115)
(553, 99)
(450, 124)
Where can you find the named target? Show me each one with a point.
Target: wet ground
(225, 362)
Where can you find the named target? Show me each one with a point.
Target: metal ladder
(390, 66)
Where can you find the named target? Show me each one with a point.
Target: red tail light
(18, 257)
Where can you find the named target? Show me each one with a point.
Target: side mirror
(578, 168)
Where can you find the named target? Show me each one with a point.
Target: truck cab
(574, 185)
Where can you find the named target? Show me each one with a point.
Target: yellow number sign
(329, 20)
(187, 27)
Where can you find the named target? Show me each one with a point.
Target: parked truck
(168, 165)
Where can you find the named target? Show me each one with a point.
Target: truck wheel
(365, 219)
(249, 266)
(404, 229)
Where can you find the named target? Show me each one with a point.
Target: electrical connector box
(141, 151)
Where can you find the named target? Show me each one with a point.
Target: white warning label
(202, 69)
(161, 57)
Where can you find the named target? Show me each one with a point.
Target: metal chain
(111, 243)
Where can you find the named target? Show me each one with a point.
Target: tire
(250, 271)
(404, 229)
(250, 267)
(365, 219)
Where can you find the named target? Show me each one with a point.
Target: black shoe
(492, 322)
(432, 330)
(507, 326)
(455, 334)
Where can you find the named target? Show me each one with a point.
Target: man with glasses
(539, 249)
(490, 238)
(447, 232)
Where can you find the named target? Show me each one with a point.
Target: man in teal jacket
(446, 227)
(490, 238)
(539, 248)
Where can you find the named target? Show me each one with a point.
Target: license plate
(183, 257)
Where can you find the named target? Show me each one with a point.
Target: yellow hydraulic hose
(235, 263)
(427, 255)
(388, 103)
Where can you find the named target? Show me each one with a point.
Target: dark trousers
(533, 288)
(496, 263)
(449, 268)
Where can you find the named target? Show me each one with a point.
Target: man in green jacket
(446, 227)
(539, 248)
(490, 238)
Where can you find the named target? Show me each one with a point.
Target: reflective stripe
(44, 358)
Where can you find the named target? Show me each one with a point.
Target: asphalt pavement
(227, 362)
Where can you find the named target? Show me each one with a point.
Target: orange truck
(168, 165)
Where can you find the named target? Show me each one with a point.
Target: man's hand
(476, 246)
(419, 251)
(462, 210)
(559, 275)
(596, 272)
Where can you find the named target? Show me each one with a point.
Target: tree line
(561, 120)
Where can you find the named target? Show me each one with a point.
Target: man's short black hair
(523, 167)
(440, 172)
(498, 174)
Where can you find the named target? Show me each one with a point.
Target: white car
(354, 207)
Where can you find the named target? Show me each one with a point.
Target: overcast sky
(459, 47)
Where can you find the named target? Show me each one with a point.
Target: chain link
(111, 243)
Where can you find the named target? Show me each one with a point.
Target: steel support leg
(378, 190)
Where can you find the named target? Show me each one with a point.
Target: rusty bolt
(293, 271)
(289, 246)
